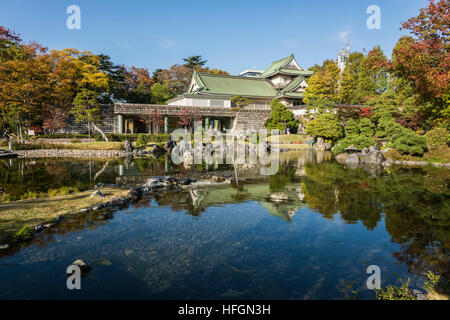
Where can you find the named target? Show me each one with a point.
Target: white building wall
(189, 102)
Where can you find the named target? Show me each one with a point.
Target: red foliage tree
(55, 118)
(366, 112)
(154, 121)
(187, 117)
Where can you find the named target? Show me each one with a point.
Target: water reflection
(295, 235)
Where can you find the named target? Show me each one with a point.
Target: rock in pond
(135, 193)
(84, 266)
(186, 181)
(38, 228)
(341, 158)
(373, 157)
(4, 246)
(352, 159)
(97, 194)
(169, 145)
(127, 146)
(388, 162)
(157, 151)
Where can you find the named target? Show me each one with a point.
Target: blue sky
(231, 35)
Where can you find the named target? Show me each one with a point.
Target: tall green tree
(161, 93)
(280, 117)
(194, 62)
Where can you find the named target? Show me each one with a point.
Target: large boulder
(97, 194)
(388, 162)
(341, 158)
(373, 157)
(157, 151)
(169, 145)
(135, 193)
(352, 159)
(186, 181)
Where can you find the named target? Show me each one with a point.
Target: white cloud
(168, 44)
(344, 35)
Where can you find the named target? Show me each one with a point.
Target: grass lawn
(17, 214)
(440, 154)
(295, 146)
(292, 138)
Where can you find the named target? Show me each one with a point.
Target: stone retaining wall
(66, 153)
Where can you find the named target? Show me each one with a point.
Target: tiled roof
(276, 66)
(233, 85)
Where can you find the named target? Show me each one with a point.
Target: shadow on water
(307, 232)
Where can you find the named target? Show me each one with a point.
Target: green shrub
(326, 125)
(408, 142)
(357, 141)
(141, 140)
(24, 234)
(351, 128)
(396, 293)
(37, 146)
(63, 136)
(366, 127)
(437, 137)
(404, 140)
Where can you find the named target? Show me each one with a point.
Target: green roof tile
(234, 85)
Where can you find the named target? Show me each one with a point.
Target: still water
(308, 232)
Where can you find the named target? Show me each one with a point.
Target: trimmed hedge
(357, 141)
(63, 136)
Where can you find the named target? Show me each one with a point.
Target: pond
(309, 232)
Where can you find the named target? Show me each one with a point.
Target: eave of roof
(276, 65)
(293, 85)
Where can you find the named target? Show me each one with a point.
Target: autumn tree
(425, 60)
(324, 83)
(24, 86)
(178, 78)
(10, 44)
(139, 83)
(187, 118)
(87, 103)
(154, 121)
(54, 118)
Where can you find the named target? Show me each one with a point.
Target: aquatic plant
(24, 234)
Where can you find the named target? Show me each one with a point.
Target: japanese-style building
(211, 95)
(284, 80)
